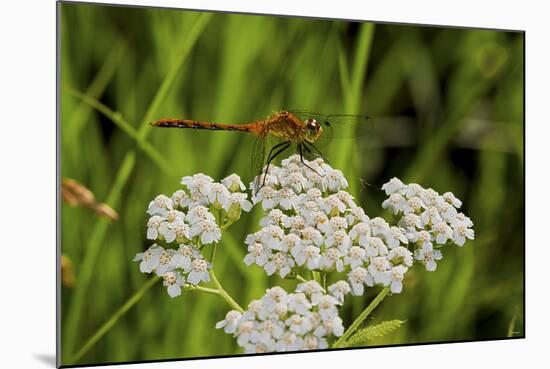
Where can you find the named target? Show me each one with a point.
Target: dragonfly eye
(313, 130)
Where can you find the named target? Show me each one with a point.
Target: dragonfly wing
(339, 125)
(267, 150)
(257, 162)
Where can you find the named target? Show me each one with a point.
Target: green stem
(114, 318)
(224, 294)
(361, 318)
(300, 278)
(211, 291)
(226, 225)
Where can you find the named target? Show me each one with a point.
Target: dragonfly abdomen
(186, 123)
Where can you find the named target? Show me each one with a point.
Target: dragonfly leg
(308, 146)
(300, 151)
(280, 148)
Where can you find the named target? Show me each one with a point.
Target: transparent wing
(267, 150)
(339, 125)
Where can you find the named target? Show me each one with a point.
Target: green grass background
(448, 111)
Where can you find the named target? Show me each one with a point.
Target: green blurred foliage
(448, 111)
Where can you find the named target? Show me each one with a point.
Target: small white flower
(207, 230)
(286, 198)
(335, 180)
(423, 239)
(394, 185)
(311, 235)
(378, 226)
(295, 223)
(332, 326)
(413, 189)
(271, 236)
(355, 257)
(411, 222)
(267, 196)
(159, 205)
(340, 240)
(461, 219)
(442, 233)
(308, 256)
(298, 324)
(280, 262)
(256, 255)
(149, 259)
(332, 205)
(338, 223)
(326, 305)
(199, 272)
(237, 201)
(165, 262)
(360, 233)
(290, 243)
(460, 233)
(199, 213)
(395, 236)
(233, 183)
(401, 256)
(339, 290)
(153, 225)
(198, 184)
(174, 281)
(396, 203)
(357, 278)
(332, 259)
(218, 195)
(274, 217)
(430, 216)
(229, 324)
(311, 289)
(450, 198)
(428, 258)
(298, 303)
(376, 247)
(378, 269)
(295, 180)
(397, 273)
(180, 199)
(183, 257)
(413, 205)
(356, 215)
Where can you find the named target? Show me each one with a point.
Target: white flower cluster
(312, 223)
(428, 219)
(282, 321)
(185, 219)
(176, 267)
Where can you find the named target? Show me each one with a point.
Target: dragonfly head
(313, 130)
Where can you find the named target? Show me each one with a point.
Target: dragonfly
(305, 131)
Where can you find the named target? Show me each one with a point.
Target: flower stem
(114, 318)
(224, 294)
(211, 291)
(300, 278)
(341, 342)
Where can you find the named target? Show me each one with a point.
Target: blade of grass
(96, 239)
(353, 94)
(80, 115)
(126, 127)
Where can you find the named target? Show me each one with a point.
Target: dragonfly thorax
(312, 130)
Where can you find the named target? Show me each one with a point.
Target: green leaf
(374, 331)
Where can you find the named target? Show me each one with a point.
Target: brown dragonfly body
(284, 125)
(300, 129)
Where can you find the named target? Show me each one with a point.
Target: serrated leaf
(374, 331)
